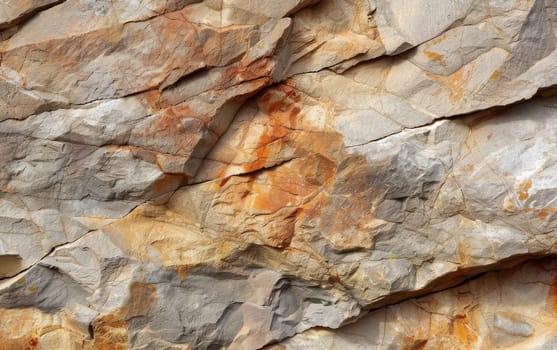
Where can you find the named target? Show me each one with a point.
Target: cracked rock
(304, 174)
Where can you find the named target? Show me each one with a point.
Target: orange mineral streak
(20, 328)
(462, 330)
(169, 182)
(110, 333)
(4, 45)
(283, 187)
(116, 148)
(283, 107)
(282, 237)
(111, 330)
(456, 82)
(553, 295)
(434, 56)
(543, 214)
(279, 194)
(170, 120)
(419, 344)
(495, 75)
(143, 297)
(523, 189)
(510, 207)
(239, 72)
(224, 181)
(182, 271)
(180, 125)
(436, 41)
(152, 98)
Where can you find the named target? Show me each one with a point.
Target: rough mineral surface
(297, 174)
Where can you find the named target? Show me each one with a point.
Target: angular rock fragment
(14, 11)
(495, 311)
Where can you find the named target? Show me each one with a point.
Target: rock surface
(186, 174)
(500, 310)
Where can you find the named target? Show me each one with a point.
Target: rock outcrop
(304, 174)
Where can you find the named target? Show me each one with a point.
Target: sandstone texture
(298, 174)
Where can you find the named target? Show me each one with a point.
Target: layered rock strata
(187, 174)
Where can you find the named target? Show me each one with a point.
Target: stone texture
(14, 11)
(500, 310)
(229, 174)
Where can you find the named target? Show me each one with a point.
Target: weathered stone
(495, 311)
(228, 174)
(14, 11)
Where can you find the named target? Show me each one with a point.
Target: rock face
(182, 174)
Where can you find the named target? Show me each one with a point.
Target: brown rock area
(304, 174)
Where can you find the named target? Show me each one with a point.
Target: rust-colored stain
(110, 333)
(279, 193)
(224, 181)
(282, 237)
(146, 155)
(282, 105)
(143, 296)
(4, 45)
(510, 207)
(22, 343)
(111, 330)
(553, 295)
(116, 148)
(32, 289)
(182, 271)
(461, 329)
(170, 181)
(414, 344)
(286, 185)
(542, 215)
(20, 328)
(33, 342)
(436, 40)
(334, 277)
(153, 98)
(237, 72)
(523, 189)
(170, 119)
(455, 82)
(180, 125)
(434, 56)
(495, 75)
